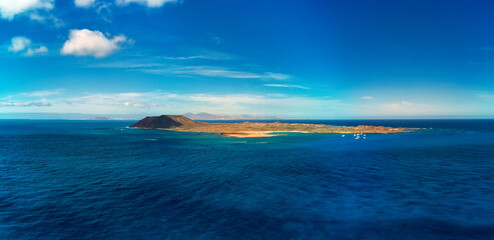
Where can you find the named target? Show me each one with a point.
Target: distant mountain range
(102, 118)
(208, 116)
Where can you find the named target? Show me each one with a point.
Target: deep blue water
(99, 180)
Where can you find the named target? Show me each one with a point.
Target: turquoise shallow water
(100, 180)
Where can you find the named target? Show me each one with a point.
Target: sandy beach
(250, 134)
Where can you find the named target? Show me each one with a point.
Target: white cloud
(367, 97)
(149, 3)
(84, 3)
(24, 46)
(85, 42)
(285, 86)
(10, 8)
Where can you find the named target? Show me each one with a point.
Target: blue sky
(291, 59)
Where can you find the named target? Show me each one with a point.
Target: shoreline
(239, 134)
(257, 134)
(250, 134)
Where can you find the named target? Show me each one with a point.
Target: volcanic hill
(166, 122)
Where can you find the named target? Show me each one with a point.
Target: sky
(305, 59)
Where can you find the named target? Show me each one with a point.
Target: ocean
(100, 180)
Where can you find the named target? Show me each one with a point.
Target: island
(253, 129)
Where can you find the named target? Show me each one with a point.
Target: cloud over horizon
(168, 102)
(161, 102)
(25, 104)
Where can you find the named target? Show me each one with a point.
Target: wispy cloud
(407, 103)
(47, 18)
(194, 57)
(285, 86)
(163, 102)
(396, 106)
(202, 54)
(367, 97)
(148, 3)
(249, 103)
(175, 65)
(32, 96)
(485, 96)
(43, 93)
(212, 72)
(406, 108)
(126, 64)
(276, 76)
(25, 47)
(186, 58)
(209, 71)
(25, 104)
